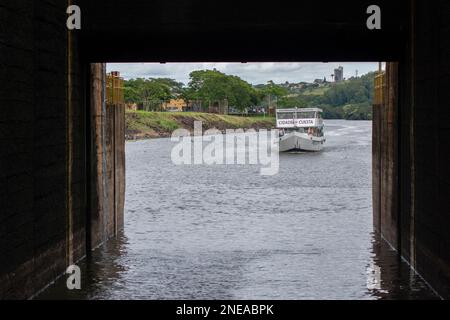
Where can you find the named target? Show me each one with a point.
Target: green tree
(213, 85)
(274, 91)
(141, 90)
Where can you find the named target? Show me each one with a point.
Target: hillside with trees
(350, 99)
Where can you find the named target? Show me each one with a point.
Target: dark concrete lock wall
(45, 156)
(411, 163)
(41, 128)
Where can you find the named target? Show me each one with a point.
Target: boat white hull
(295, 141)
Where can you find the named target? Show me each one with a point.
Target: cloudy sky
(254, 73)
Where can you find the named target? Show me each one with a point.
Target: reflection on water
(389, 277)
(226, 232)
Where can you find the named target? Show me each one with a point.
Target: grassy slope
(142, 124)
(315, 91)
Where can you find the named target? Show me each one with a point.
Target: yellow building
(174, 105)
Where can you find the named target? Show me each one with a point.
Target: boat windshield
(299, 115)
(286, 115)
(306, 115)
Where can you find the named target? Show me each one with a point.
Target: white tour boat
(301, 129)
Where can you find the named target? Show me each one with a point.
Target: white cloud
(253, 72)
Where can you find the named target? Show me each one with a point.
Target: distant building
(174, 105)
(320, 81)
(339, 74)
(131, 106)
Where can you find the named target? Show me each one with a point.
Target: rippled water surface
(226, 232)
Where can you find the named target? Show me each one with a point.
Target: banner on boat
(302, 123)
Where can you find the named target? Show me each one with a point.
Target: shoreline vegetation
(150, 125)
(214, 91)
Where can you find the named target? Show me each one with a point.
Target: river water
(227, 232)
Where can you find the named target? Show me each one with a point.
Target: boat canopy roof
(299, 110)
